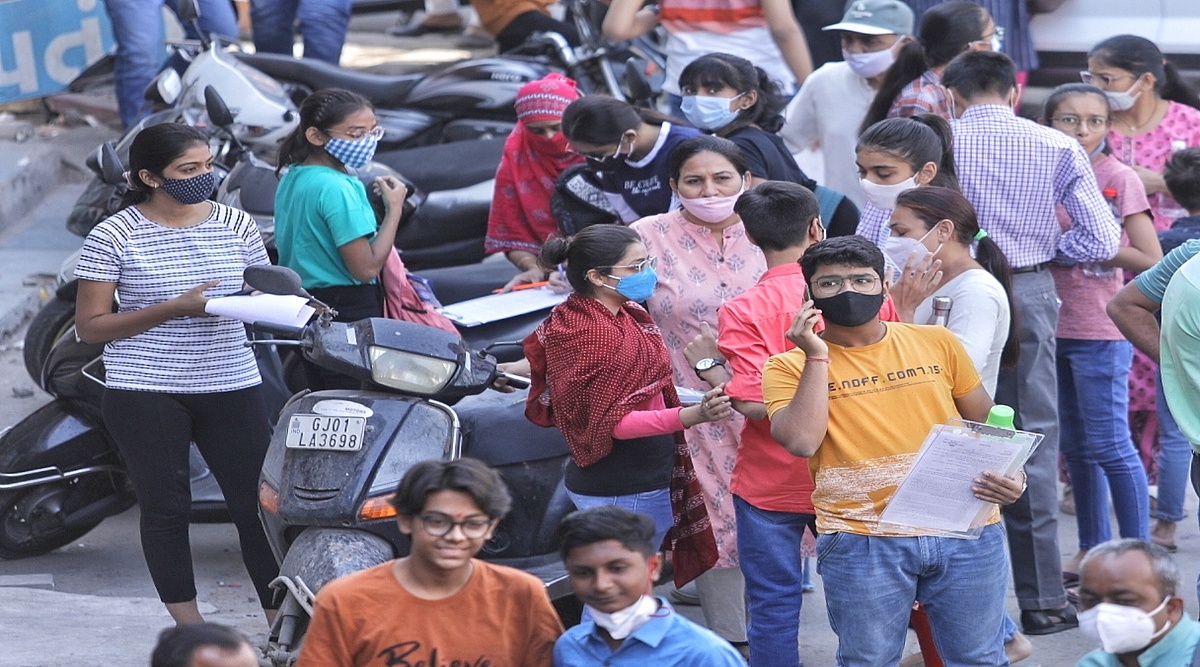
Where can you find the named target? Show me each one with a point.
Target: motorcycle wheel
(50, 324)
(31, 520)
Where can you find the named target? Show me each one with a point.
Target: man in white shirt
(830, 107)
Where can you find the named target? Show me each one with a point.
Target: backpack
(579, 201)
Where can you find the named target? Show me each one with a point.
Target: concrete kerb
(49, 161)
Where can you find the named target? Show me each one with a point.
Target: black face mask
(849, 308)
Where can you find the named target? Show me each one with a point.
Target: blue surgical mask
(637, 287)
(354, 154)
(709, 113)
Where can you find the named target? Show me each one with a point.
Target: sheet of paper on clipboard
(936, 494)
(495, 307)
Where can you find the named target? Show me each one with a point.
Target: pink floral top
(695, 277)
(1179, 128)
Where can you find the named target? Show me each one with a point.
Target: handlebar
(514, 381)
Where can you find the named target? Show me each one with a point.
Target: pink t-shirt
(1083, 296)
(1179, 128)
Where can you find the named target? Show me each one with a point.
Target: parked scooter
(336, 456)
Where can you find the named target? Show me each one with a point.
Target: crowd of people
(796, 311)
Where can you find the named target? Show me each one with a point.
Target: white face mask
(871, 64)
(1123, 101)
(884, 196)
(900, 249)
(624, 622)
(1121, 629)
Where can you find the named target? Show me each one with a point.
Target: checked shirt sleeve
(1095, 234)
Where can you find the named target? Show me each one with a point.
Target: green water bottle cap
(1002, 416)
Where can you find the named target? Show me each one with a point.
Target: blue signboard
(44, 44)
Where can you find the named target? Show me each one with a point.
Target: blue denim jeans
(1174, 461)
(323, 25)
(871, 582)
(140, 45)
(1093, 404)
(769, 553)
(655, 504)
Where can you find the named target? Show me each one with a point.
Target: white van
(1063, 37)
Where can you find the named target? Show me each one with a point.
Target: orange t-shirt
(495, 15)
(501, 618)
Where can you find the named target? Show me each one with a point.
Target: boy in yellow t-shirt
(858, 400)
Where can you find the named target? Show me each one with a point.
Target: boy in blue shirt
(612, 564)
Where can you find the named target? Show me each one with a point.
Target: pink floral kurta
(1179, 128)
(695, 276)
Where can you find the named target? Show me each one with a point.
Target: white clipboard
(935, 496)
(495, 307)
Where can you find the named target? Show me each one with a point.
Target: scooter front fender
(320, 555)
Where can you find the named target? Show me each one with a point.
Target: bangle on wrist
(821, 360)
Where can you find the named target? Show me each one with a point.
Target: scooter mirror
(187, 10)
(112, 171)
(218, 112)
(274, 280)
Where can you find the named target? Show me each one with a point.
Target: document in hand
(494, 307)
(936, 496)
(292, 311)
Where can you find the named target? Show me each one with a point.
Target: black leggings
(153, 431)
(520, 28)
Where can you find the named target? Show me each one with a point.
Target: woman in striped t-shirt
(174, 373)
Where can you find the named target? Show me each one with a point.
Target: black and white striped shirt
(150, 264)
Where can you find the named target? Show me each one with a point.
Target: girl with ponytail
(899, 154)
(913, 83)
(1154, 113)
(730, 97)
(941, 222)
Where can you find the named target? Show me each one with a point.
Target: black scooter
(336, 456)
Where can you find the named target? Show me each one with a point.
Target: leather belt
(1032, 269)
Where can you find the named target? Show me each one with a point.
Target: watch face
(705, 364)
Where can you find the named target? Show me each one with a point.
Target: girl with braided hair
(325, 228)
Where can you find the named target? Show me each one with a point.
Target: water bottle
(941, 310)
(1096, 269)
(1001, 416)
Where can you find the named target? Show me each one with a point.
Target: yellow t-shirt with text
(883, 399)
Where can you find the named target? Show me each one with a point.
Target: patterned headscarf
(520, 217)
(545, 99)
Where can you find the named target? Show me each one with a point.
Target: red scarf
(590, 368)
(520, 218)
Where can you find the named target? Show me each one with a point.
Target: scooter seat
(383, 90)
(447, 166)
(496, 431)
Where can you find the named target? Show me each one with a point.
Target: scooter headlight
(409, 372)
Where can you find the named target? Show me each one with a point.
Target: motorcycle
(336, 456)
(474, 99)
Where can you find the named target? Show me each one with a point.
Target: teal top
(1175, 649)
(319, 209)
(1153, 281)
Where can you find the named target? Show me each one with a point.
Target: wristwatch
(707, 364)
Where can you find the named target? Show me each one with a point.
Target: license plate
(341, 434)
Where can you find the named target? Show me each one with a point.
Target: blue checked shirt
(1014, 171)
